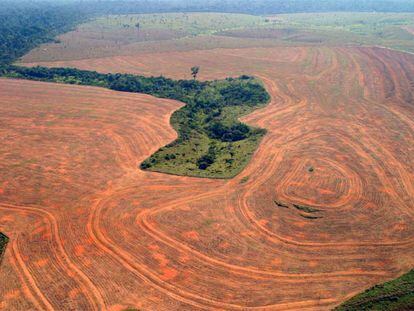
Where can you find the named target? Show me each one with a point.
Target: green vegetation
(244, 180)
(3, 243)
(379, 29)
(280, 204)
(310, 216)
(395, 295)
(188, 23)
(211, 143)
(376, 29)
(129, 34)
(25, 25)
(306, 209)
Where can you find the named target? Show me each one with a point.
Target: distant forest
(257, 7)
(26, 24)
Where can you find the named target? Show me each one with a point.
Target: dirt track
(90, 231)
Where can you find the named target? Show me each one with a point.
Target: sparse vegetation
(395, 295)
(358, 28)
(191, 24)
(281, 204)
(309, 211)
(194, 71)
(306, 209)
(244, 180)
(310, 216)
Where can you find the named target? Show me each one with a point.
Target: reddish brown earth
(90, 231)
(409, 29)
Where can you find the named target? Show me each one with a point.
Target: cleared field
(376, 29)
(189, 23)
(323, 210)
(116, 35)
(142, 33)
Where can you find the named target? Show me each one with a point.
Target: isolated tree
(194, 71)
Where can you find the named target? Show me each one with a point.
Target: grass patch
(394, 295)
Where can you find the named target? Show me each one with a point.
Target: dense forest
(24, 26)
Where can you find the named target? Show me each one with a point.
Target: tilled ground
(323, 210)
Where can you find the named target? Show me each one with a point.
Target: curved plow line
(97, 301)
(29, 286)
(151, 278)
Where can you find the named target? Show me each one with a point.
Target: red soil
(90, 231)
(409, 29)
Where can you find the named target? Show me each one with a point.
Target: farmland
(192, 246)
(322, 211)
(116, 35)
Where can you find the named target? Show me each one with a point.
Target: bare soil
(90, 231)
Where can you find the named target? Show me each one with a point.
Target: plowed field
(323, 210)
